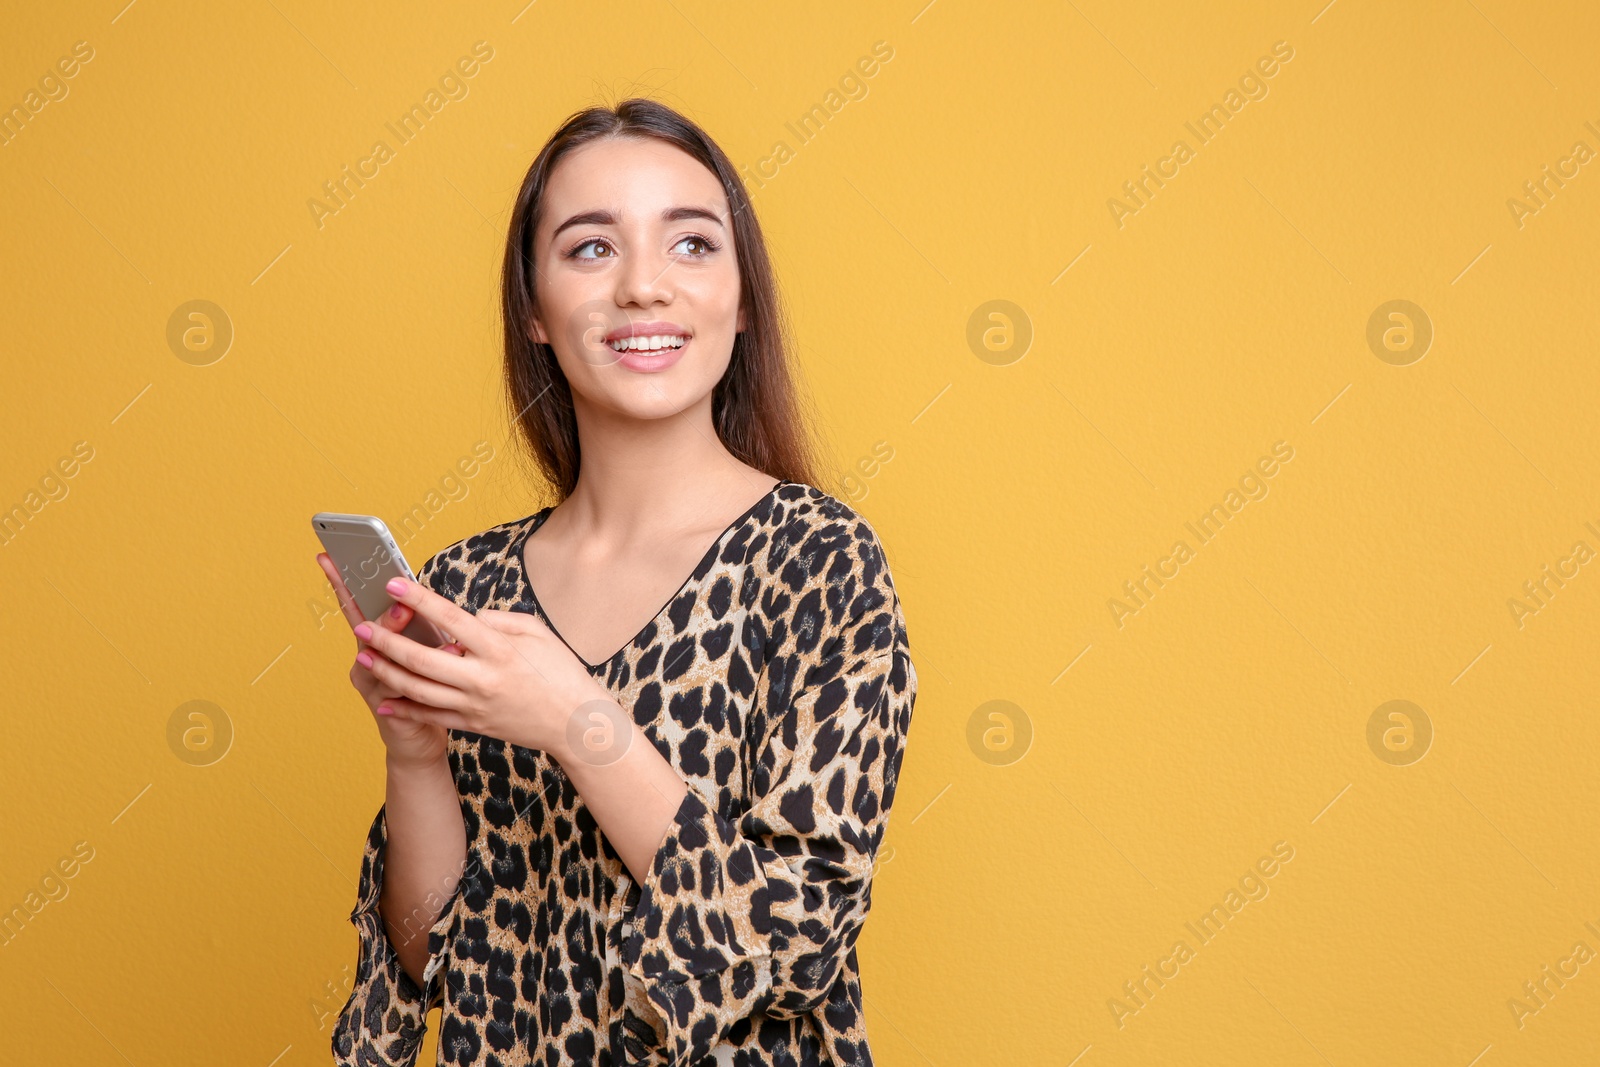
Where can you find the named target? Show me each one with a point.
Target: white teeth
(658, 342)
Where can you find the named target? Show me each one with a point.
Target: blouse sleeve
(760, 914)
(384, 1019)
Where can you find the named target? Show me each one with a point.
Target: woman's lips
(651, 362)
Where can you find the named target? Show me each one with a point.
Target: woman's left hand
(517, 680)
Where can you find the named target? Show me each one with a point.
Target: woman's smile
(652, 360)
(648, 347)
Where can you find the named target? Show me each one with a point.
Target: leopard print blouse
(778, 682)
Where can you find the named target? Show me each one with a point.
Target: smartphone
(367, 557)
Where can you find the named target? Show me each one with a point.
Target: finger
(411, 711)
(347, 603)
(434, 664)
(444, 614)
(406, 682)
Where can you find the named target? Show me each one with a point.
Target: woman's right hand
(407, 741)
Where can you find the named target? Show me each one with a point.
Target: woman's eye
(705, 246)
(577, 253)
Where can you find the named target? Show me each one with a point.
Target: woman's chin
(654, 396)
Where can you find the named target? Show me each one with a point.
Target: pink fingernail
(364, 659)
(397, 586)
(363, 630)
(395, 612)
(384, 709)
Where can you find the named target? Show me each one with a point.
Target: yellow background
(1016, 896)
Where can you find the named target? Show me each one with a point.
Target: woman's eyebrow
(678, 214)
(602, 217)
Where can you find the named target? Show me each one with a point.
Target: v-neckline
(536, 520)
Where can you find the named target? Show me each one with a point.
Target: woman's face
(635, 252)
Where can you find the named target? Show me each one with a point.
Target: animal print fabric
(778, 682)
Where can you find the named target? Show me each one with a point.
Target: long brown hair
(756, 407)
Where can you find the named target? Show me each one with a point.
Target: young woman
(611, 836)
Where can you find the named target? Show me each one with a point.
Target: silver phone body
(366, 555)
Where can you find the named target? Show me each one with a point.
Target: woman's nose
(645, 279)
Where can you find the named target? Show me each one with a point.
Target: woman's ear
(739, 327)
(539, 334)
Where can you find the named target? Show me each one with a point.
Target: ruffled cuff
(384, 1020)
